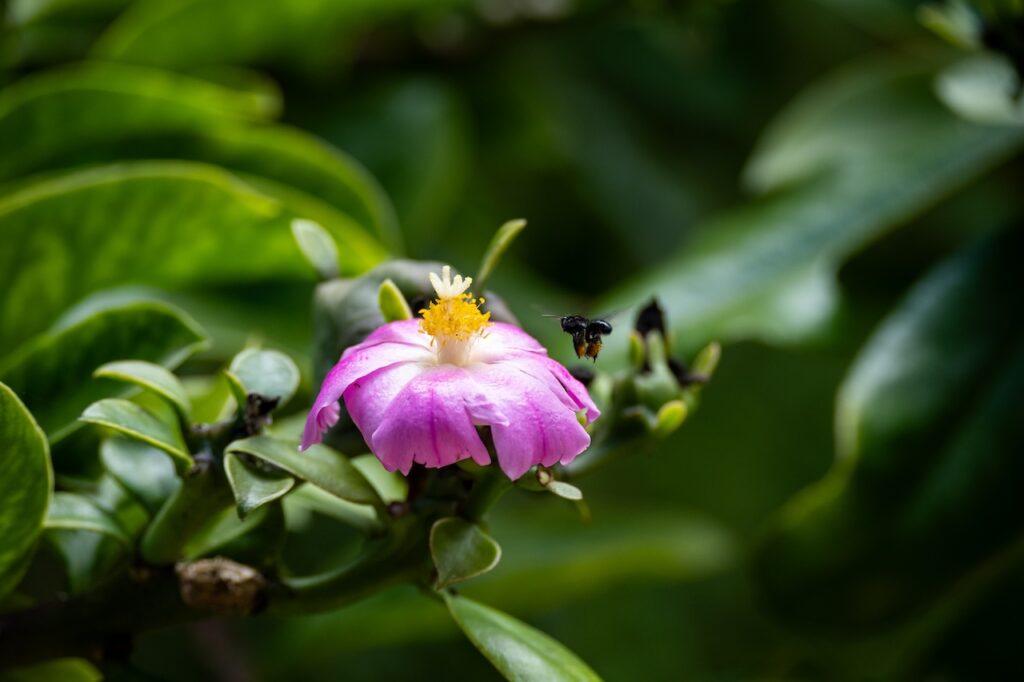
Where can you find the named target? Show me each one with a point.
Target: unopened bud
(670, 417)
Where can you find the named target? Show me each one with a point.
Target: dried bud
(221, 586)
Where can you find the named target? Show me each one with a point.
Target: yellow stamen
(454, 319)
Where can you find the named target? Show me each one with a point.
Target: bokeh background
(779, 174)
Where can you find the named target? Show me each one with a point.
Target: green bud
(707, 359)
(392, 304)
(656, 351)
(670, 417)
(637, 352)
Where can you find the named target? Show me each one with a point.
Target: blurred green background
(779, 174)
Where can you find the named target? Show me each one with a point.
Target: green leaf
(149, 376)
(126, 112)
(64, 670)
(26, 481)
(254, 488)
(849, 159)
(254, 540)
(461, 550)
(500, 243)
(145, 471)
(320, 465)
(268, 373)
(140, 424)
(308, 498)
(176, 225)
(518, 651)
(317, 246)
(185, 34)
(54, 372)
(393, 306)
(100, 102)
(390, 485)
(71, 511)
(924, 490)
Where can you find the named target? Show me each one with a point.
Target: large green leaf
(320, 465)
(175, 224)
(54, 372)
(56, 113)
(519, 652)
(138, 423)
(190, 33)
(461, 550)
(25, 484)
(924, 490)
(849, 159)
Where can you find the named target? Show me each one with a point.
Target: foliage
(828, 190)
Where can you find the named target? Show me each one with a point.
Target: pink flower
(417, 390)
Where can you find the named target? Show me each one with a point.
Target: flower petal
(401, 331)
(558, 379)
(541, 429)
(368, 398)
(353, 366)
(429, 422)
(500, 338)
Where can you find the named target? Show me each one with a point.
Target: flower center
(453, 320)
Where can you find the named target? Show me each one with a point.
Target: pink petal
(558, 379)
(500, 338)
(541, 429)
(368, 398)
(402, 331)
(431, 422)
(354, 365)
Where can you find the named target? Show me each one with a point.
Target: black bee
(586, 334)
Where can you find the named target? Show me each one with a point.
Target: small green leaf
(502, 239)
(26, 481)
(145, 471)
(308, 498)
(251, 540)
(521, 653)
(64, 670)
(254, 488)
(390, 485)
(707, 359)
(318, 246)
(71, 511)
(54, 372)
(266, 372)
(461, 550)
(320, 465)
(149, 376)
(140, 424)
(393, 306)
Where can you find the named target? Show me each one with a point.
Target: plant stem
(485, 493)
(202, 495)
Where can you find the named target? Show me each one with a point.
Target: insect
(586, 334)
